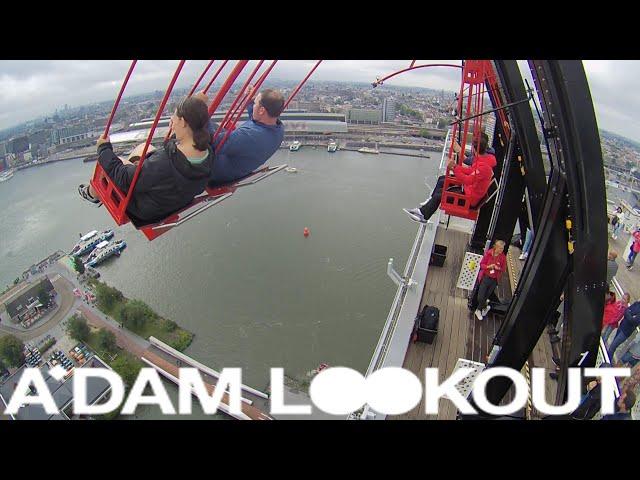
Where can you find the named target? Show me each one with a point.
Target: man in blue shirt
(623, 406)
(251, 144)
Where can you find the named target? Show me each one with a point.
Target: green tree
(107, 296)
(135, 314)
(127, 368)
(78, 265)
(107, 340)
(78, 328)
(442, 123)
(11, 351)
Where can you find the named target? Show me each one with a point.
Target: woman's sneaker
(83, 190)
(478, 314)
(415, 214)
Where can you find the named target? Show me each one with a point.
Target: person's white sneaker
(478, 314)
(485, 310)
(521, 257)
(415, 214)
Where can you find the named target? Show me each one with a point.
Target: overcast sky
(29, 89)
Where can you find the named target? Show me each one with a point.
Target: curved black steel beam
(571, 255)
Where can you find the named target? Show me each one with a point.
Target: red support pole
(244, 104)
(297, 89)
(195, 85)
(215, 75)
(123, 205)
(193, 89)
(426, 65)
(227, 85)
(231, 109)
(117, 102)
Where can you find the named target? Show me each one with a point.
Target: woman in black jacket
(170, 177)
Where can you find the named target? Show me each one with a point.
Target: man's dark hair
(272, 101)
(629, 400)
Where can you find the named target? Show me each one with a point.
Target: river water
(241, 276)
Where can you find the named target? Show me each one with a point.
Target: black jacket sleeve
(121, 174)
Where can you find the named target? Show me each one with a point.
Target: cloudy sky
(29, 89)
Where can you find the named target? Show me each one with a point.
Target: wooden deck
(460, 334)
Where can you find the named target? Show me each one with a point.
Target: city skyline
(32, 89)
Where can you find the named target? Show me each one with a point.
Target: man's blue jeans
(618, 340)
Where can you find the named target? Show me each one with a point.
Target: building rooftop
(61, 392)
(19, 302)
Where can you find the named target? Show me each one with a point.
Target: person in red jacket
(635, 248)
(492, 265)
(476, 180)
(613, 313)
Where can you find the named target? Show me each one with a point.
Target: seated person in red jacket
(170, 177)
(476, 180)
(492, 265)
(613, 313)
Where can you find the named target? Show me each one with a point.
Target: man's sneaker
(478, 314)
(523, 256)
(83, 190)
(556, 360)
(415, 214)
(485, 310)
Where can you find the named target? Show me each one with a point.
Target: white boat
(105, 252)
(368, 150)
(89, 241)
(295, 146)
(4, 176)
(332, 147)
(94, 253)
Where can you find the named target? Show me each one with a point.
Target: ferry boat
(4, 176)
(94, 253)
(332, 147)
(89, 241)
(368, 150)
(105, 250)
(295, 146)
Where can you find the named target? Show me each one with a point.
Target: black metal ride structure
(567, 212)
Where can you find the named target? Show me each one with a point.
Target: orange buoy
(306, 232)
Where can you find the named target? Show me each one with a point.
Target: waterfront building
(388, 110)
(364, 116)
(24, 302)
(63, 135)
(18, 144)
